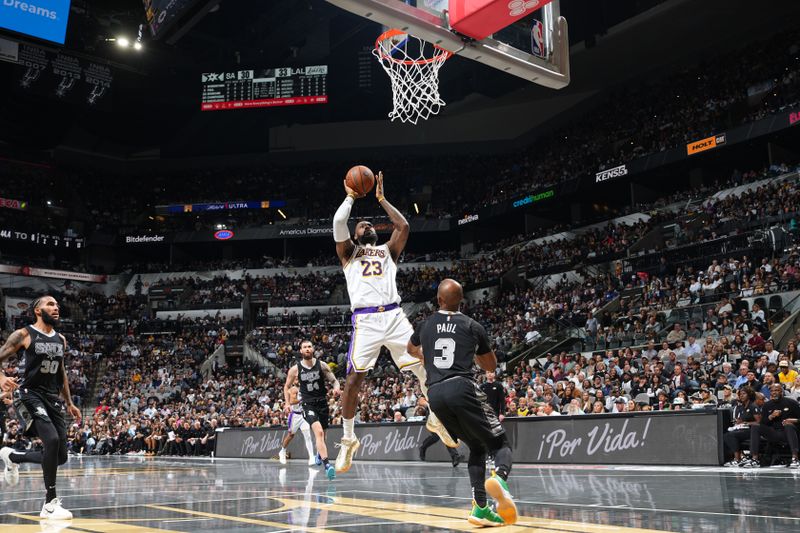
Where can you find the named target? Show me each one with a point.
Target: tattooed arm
(330, 378)
(17, 340)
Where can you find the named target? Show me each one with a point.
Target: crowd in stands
(635, 120)
(680, 337)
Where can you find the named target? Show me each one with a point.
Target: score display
(272, 87)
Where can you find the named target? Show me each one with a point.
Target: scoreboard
(272, 87)
(161, 14)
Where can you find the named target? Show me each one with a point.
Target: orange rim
(441, 55)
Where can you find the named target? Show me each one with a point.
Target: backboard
(535, 47)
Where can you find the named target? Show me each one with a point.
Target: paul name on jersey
(449, 327)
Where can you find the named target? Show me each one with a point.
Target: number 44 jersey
(449, 343)
(40, 362)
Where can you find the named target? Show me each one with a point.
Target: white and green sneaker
(484, 516)
(497, 488)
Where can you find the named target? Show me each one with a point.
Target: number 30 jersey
(371, 277)
(449, 343)
(40, 362)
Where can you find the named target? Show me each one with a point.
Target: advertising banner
(145, 239)
(635, 438)
(44, 19)
(794, 118)
(467, 219)
(533, 198)
(708, 143)
(63, 274)
(611, 173)
(10, 203)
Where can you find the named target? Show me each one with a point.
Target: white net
(413, 66)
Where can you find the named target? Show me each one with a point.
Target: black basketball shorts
(316, 412)
(462, 408)
(30, 405)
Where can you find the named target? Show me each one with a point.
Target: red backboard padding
(481, 18)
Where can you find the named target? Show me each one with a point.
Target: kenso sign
(610, 173)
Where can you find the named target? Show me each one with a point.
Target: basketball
(360, 179)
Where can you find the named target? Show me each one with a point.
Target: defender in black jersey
(311, 375)
(449, 342)
(41, 360)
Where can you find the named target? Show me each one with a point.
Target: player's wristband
(351, 195)
(381, 198)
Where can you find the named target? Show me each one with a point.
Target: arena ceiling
(156, 93)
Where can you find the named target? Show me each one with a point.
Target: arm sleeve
(482, 338)
(340, 231)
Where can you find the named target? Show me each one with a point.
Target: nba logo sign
(537, 40)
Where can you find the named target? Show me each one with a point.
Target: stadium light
(416, 208)
(281, 213)
(123, 42)
(137, 45)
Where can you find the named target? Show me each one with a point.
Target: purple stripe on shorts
(350, 366)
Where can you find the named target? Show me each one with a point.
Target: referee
(451, 342)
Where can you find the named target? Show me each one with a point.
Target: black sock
(502, 462)
(501, 452)
(51, 494)
(325, 462)
(477, 477)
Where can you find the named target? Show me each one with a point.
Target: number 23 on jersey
(371, 268)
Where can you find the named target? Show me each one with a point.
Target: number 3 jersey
(371, 277)
(40, 362)
(449, 343)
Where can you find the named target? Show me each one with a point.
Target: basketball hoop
(413, 66)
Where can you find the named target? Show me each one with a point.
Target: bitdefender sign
(144, 239)
(611, 173)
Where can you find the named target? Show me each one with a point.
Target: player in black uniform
(37, 401)
(311, 374)
(495, 395)
(448, 343)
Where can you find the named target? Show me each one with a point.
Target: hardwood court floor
(116, 494)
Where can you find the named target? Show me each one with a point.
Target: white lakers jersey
(371, 277)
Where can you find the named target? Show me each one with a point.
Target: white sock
(309, 444)
(348, 426)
